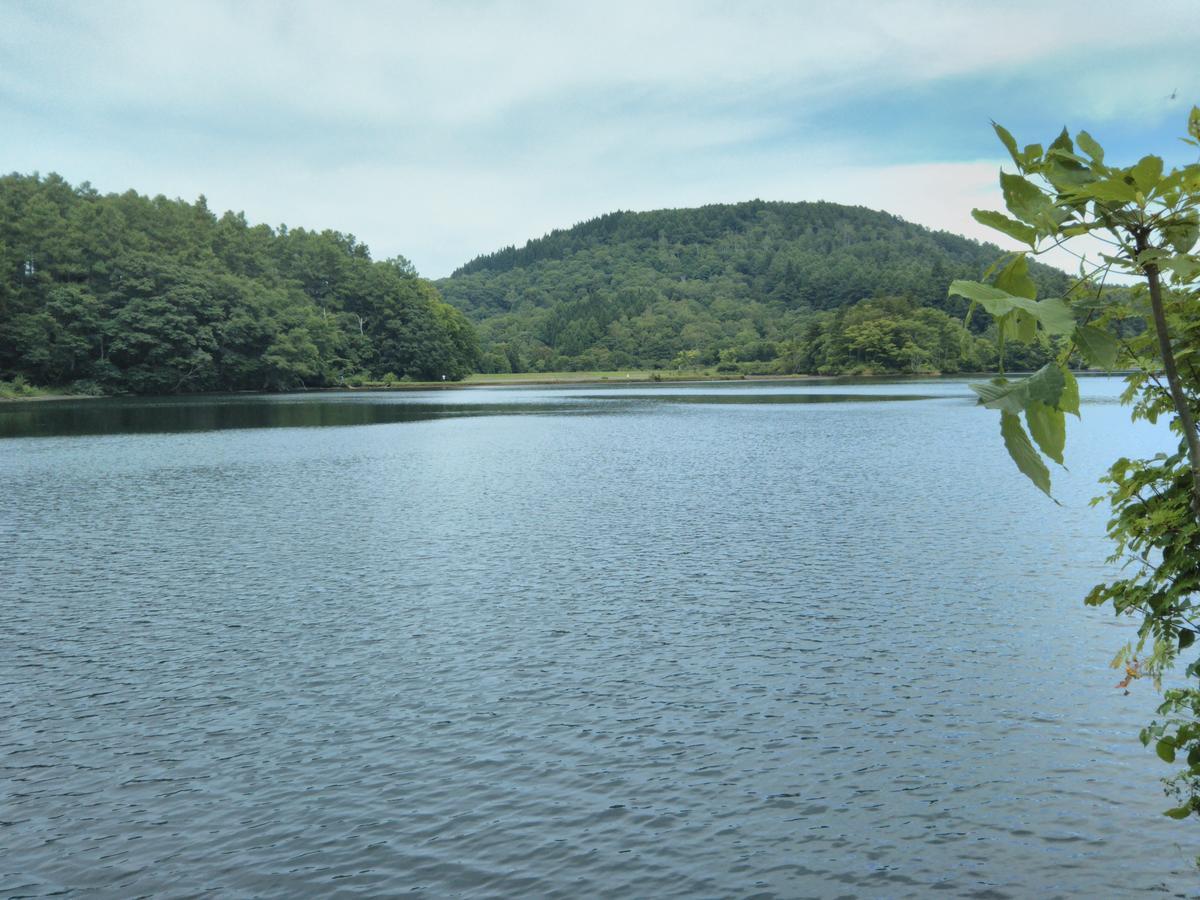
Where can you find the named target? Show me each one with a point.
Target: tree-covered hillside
(128, 293)
(739, 286)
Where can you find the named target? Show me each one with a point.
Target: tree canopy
(150, 295)
(752, 286)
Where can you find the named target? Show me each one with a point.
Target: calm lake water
(719, 640)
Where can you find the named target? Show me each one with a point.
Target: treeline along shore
(124, 293)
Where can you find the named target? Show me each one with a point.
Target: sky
(448, 129)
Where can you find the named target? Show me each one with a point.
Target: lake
(748, 639)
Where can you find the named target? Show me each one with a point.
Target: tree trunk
(1182, 406)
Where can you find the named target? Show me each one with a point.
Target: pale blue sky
(444, 130)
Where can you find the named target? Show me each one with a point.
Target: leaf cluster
(1148, 220)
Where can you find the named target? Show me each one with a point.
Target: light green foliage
(883, 335)
(1098, 346)
(1021, 450)
(17, 388)
(1052, 314)
(1150, 220)
(128, 293)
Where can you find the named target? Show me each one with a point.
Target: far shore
(544, 379)
(48, 395)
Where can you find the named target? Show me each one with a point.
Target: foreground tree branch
(1151, 220)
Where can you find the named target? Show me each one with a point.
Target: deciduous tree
(1148, 220)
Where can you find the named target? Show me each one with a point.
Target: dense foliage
(896, 335)
(1149, 220)
(751, 286)
(128, 293)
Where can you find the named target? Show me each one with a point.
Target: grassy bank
(591, 377)
(623, 376)
(19, 389)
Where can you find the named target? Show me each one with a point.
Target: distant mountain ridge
(640, 288)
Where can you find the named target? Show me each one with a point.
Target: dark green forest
(126, 293)
(753, 287)
(131, 294)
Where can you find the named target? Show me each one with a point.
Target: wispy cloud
(442, 130)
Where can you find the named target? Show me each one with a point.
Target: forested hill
(123, 292)
(739, 285)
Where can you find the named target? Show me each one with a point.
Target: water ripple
(759, 649)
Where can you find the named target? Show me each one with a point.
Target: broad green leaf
(1151, 255)
(1112, 190)
(1068, 401)
(1048, 426)
(1063, 142)
(1014, 278)
(1026, 327)
(1187, 637)
(1019, 447)
(1179, 812)
(1182, 235)
(1066, 171)
(1189, 177)
(967, 319)
(1194, 123)
(1008, 141)
(1165, 750)
(1056, 317)
(1024, 199)
(1147, 172)
(1046, 385)
(1002, 261)
(1089, 146)
(1098, 346)
(1031, 154)
(981, 293)
(1185, 267)
(1053, 313)
(1014, 229)
(1002, 394)
(1067, 156)
(1006, 326)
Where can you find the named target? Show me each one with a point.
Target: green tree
(1149, 219)
(152, 295)
(746, 277)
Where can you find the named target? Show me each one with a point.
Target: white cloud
(458, 62)
(444, 129)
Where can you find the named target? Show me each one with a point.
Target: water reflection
(216, 413)
(52, 418)
(756, 399)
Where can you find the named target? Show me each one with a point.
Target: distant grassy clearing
(568, 377)
(18, 389)
(622, 376)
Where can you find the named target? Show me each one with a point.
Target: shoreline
(531, 379)
(38, 398)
